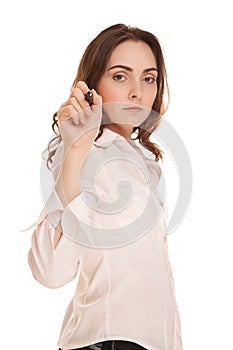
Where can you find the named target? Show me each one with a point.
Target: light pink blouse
(115, 243)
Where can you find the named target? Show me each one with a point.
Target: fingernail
(88, 111)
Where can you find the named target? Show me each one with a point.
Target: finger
(73, 102)
(78, 94)
(76, 113)
(82, 86)
(81, 114)
(97, 99)
(66, 112)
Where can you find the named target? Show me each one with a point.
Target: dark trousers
(112, 345)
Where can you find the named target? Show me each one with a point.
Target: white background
(41, 44)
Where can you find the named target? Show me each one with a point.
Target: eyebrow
(131, 69)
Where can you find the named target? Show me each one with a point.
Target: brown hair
(92, 66)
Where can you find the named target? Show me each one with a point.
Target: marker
(89, 97)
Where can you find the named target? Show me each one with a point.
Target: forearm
(67, 185)
(52, 257)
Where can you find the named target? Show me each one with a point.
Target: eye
(150, 80)
(119, 77)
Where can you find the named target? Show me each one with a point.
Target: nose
(135, 92)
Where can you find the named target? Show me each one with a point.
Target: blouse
(115, 243)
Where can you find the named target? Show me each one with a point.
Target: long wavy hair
(92, 67)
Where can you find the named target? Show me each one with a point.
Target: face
(128, 86)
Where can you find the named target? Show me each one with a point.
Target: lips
(134, 109)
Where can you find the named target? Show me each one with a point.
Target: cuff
(54, 208)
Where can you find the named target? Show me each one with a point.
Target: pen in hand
(89, 97)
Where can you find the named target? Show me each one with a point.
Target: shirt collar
(107, 137)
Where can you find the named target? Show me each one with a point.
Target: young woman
(105, 221)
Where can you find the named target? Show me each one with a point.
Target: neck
(124, 130)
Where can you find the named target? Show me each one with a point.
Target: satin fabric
(125, 285)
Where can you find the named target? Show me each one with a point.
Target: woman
(113, 239)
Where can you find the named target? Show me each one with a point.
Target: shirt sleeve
(52, 267)
(101, 216)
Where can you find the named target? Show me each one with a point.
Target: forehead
(131, 53)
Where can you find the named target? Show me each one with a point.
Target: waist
(112, 345)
